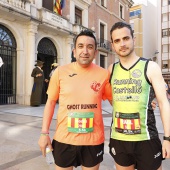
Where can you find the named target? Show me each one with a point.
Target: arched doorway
(8, 69)
(48, 54)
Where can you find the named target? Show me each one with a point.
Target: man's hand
(153, 104)
(39, 75)
(46, 80)
(166, 149)
(43, 142)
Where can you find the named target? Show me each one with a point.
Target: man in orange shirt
(81, 86)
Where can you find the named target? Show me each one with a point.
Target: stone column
(20, 71)
(30, 60)
(69, 45)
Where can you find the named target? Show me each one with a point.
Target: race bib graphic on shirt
(127, 123)
(80, 122)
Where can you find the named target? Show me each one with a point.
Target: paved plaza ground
(20, 128)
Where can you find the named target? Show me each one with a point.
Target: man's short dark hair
(119, 25)
(86, 33)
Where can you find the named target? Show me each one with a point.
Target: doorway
(48, 54)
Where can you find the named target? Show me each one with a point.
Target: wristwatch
(166, 138)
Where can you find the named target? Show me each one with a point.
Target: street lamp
(154, 55)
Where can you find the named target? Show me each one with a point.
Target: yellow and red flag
(58, 6)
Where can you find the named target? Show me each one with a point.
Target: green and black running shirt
(133, 116)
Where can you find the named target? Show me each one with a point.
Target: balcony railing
(104, 44)
(18, 3)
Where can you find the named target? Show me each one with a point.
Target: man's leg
(119, 167)
(91, 168)
(60, 168)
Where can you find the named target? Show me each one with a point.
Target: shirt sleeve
(54, 86)
(107, 93)
(34, 72)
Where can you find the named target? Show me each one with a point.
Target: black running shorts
(145, 155)
(66, 155)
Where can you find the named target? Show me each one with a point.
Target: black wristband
(166, 138)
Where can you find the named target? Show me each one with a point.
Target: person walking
(79, 136)
(134, 141)
(36, 94)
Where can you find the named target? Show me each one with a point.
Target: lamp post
(154, 55)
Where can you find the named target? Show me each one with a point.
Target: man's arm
(155, 76)
(44, 139)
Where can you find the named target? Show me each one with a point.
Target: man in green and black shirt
(135, 81)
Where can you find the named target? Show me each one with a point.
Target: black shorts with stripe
(145, 155)
(66, 155)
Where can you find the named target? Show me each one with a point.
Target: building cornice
(128, 2)
(87, 2)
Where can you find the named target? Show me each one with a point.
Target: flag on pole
(58, 6)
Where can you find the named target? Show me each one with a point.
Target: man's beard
(124, 54)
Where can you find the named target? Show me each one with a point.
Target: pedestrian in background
(53, 67)
(134, 139)
(36, 94)
(80, 86)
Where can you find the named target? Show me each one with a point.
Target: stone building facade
(164, 38)
(30, 30)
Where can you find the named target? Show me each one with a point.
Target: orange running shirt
(80, 92)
